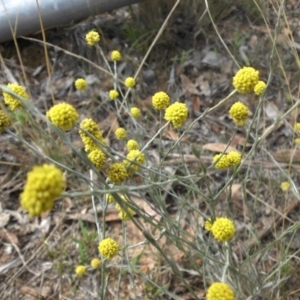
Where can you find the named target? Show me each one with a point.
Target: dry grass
(166, 253)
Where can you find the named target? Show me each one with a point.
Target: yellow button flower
(208, 224)
(81, 84)
(297, 127)
(220, 291)
(110, 198)
(10, 100)
(297, 141)
(136, 112)
(63, 115)
(259, 88)
(239, 113)
(116, 55)
(223, 229)
(96, 263)
(134, 156)
(92, 38)
(220, 161)
(92, 128)
(80, 270)
(98, 158)
(130, 82)
(113, 94)
(285, 186)
(160, 100)
(176, 113)
(4, 121)
(44, 184)
(108, 248)
(234, 158)
(123, 215)
(117, 173)
(245, 80)
(132, 145)
(121, 133)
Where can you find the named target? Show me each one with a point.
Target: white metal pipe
(21, 17)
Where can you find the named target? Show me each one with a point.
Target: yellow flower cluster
(117, 173)
(96, 263)
(98, 158)
(176, 113)
(245, 80)
(297, 141)
(10, 100)
(160, 100)
(285, 186)
(116, 55)
(44, 184)
(92, 38)
(208, 224)
(4, 121)
(81, 84)
(130, 82)
(220, 291)
(136, 112)
(63, 115)
(113, 94)
(121, 133)
(122, 213)
(92, 128)
(110, 198)
(259, 88)
(132, 145)
(297, 127)
(80, 270)
(239, 113)
(108, 248)
(224, 161)
(134, 156)
(223, 229)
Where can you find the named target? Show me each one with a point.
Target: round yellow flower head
(122, 213)
(223, 229)
(239, 113)
(285, 186)
(80, 84)
(121, 133)
(245, 80)
(96, 263)
(297, 141)
(92, 38)
(10, 100)
(130, 82)
(220, 291)
(221, 161)
(176, 113)
(80, 270)
(160, 100)
(98, 158)
(113, 94)
(134, 156)
(110, 198)
(297, 127)
(259, 88)
(234, 158)
(108, 248)
(63, 115)
(116, 55)
(4, 120)
(132, 145)
(92, 128)
(117, 173)
(208, 224)
(136, 112)
(44, 184)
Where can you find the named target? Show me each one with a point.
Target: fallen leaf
(9, 237)
(219, 147)
(287, 155)
(188, 85)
